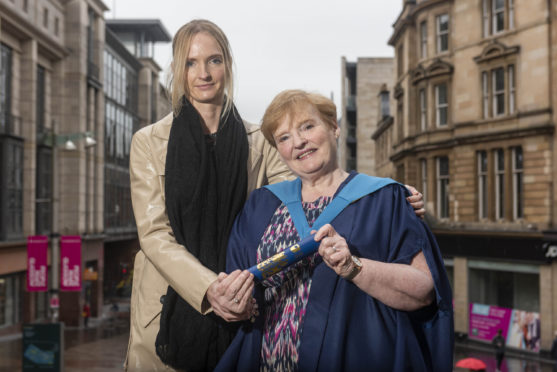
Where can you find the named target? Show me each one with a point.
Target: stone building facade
(365, 89)
(473, 128)
(52, 89)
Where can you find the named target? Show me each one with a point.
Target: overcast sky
(279, 44)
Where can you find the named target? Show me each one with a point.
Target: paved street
(511, 363)
(102, 347)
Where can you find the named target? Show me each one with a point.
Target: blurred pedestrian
(499, 344)
(554, 351)
(86, 313)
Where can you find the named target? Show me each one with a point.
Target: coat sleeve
(183, 271)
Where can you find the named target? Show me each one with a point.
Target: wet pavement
(513, 361)
(102, 347)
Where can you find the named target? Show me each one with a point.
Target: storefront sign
(54, 301)
(37, 247)
(550, 250)
(90, 274)
(520, 328)
(70, 263)
(43, 347)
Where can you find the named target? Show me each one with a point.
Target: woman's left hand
(334, 250)
(416, 200)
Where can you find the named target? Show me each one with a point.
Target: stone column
(144, 96)
(548, 302)
(27, 110)
(460, 294)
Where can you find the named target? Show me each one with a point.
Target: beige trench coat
(161, 260)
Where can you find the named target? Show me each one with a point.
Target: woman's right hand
(231, 296)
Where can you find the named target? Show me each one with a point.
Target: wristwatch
(356, 268)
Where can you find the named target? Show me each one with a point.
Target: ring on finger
(236, 300)
(335, 249)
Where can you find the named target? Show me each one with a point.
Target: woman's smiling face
(306, 143)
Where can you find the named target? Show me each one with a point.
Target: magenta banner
(37, 265)
(520, 328)
(70, 263)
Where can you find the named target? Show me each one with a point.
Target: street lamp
(66, 142)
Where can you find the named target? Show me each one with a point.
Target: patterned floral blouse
(287, 292)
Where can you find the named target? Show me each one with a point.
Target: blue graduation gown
(345, 329)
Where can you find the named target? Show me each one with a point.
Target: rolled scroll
(290, 255)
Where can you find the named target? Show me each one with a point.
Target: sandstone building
(472, 121)
(65, 76)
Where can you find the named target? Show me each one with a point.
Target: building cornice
(437, 68)
(408, 16)
(456, 140)
(496, 50)
(23, 30)
(493, 230)
(150, 63)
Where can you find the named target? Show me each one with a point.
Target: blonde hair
(177, 78)
(286, 103)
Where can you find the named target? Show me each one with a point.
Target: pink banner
(37, 269)
(70, 263)
(521, 329)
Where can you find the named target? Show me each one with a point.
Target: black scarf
(205, 187)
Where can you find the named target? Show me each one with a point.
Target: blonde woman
(190, 175)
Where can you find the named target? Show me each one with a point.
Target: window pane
(442, 33)
(423, 110)
(500, 160)
(517, 183)
(444, 199)
(505, 289)
(443, 166)
(443, 116)
(5, 88)
(485, 94)
(442, 89)
(423, 167)
(443, 22)
(485, 15)
(11, 189)
(499, 91)
(518, 158)
(500, 104)
(40, 107)
(444, 42)
(423, 35)
(499, 184)
(499, 79)
(385, 109)
(482, 184)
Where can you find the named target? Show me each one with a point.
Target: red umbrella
(471, 363)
